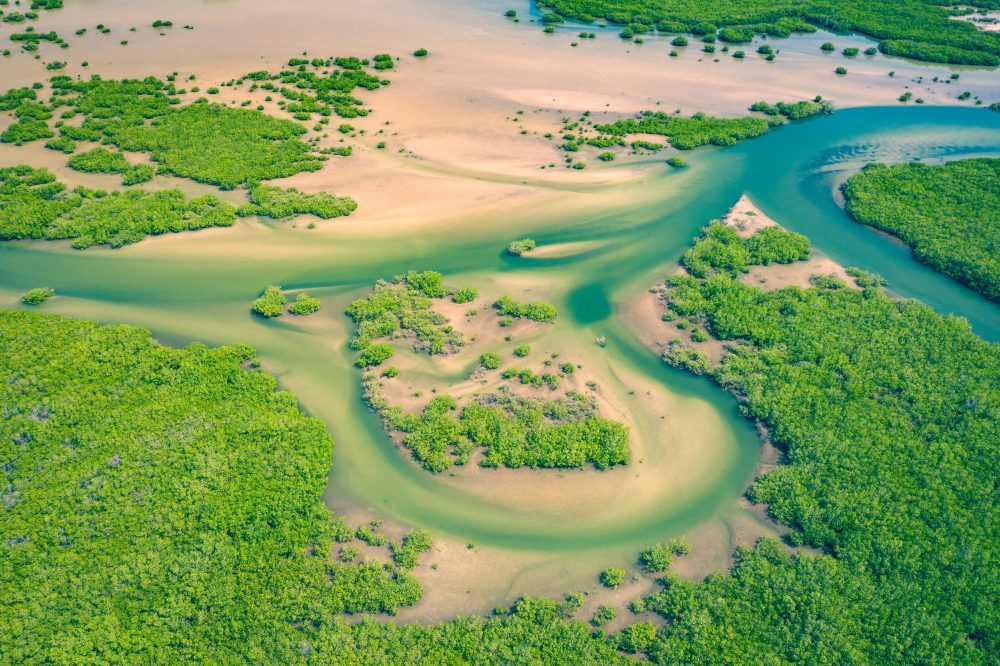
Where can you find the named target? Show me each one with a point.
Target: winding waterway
(197, 286)
(693, 453)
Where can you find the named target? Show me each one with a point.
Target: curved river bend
(550, 520)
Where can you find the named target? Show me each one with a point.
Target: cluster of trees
(536, 310)
(35, 205)
(687, 133)
(62, 144)
(304, 304)
(219, 145)
(465, 294)
(921, 29)
(102, 160)
(513, 431)
(658, 557)
(794, 110)
(38, 295)
(279, 202)
(887, 416)
(323, 86)
(182, 483)
(30, 39)
(948, 214)
(720, 248)
(31, 117)
(518, 247)
(210, 143)
(272, 303)
(402, 306)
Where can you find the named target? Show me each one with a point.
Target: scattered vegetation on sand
(323, 86)
(512, 430)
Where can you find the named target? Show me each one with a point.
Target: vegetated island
(272, 303)
(919, 29)
(521, 423)
(886, 416)
(701, 129)
(640, 134)
(948, 214)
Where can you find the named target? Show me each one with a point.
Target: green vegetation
(676, 162)
(62, 144)
(407, 553)
(518, 247)
(659, 557)
(323, 86)
(181, 483)
(210, 143)
(612, 577)
(948, 214)
(522, 350)
(420, 53)
(382, 61)
(721, 249)
(303, 305)
(279, 202)
(400, 307)
(38, 295)
(490, 360)
(535, 311)
(271, 303)
(921, 29)
(465, 295)
(886, 414)
(375, 354)
(688, 133)
(101, 160)
(31, 116)
(603, 615)
(35, 205)
(795, 110)
(513, 431)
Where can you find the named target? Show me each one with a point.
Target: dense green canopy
(948, 214)
(919, 29)
(162, 505)
(33, 204)
(888, 415)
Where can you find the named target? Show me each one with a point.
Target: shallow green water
(791, 173)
